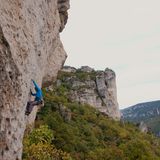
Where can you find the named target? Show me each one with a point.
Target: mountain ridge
(148, 112)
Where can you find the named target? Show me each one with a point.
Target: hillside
(69, 130)
(148, 112)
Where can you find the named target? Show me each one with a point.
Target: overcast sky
(123, 35)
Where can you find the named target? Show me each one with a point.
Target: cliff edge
(30, 48)
(96, 88)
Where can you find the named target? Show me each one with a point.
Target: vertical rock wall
(30, 48)
(96, 88)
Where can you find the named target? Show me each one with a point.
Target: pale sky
(123, 35)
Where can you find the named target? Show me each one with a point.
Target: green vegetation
(38, 146)
(88, 134)
(80, 75)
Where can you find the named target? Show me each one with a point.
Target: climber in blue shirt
(38, 95)
(38, 98)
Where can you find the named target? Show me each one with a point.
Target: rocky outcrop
(96, 88)
(69, 69)
(86, 69)
(30, 48)
(143, 127)
(63, 6)
(65, 113)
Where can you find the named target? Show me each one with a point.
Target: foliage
(38, 146)
(92, 136)
(88, 135)
(80, 75)
(41, 135)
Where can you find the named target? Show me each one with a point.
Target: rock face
(143, 127)
(30, 48)
(96, 88)
(69, 69)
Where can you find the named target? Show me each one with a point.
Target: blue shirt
(38, 95)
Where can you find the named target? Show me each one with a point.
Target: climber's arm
(35, 84)
(33, 94)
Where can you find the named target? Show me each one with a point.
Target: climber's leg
(30, 106)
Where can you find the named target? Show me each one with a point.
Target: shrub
(38, 146)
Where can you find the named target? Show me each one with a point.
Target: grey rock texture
(143, 127)
(63, 6)
(65, 113)
(69, 69)
(30, 48)
(96, 88)
(86, 69)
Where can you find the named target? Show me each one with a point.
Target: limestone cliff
(96, 88)
(30, 48)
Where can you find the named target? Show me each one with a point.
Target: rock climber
(38, 98)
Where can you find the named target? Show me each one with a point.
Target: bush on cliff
(38, 146)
